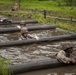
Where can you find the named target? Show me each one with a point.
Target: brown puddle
(22, 54)
(70, 70)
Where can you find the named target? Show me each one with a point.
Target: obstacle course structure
(29, 28)
(41, 40)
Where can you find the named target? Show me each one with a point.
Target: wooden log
(41, 40)
(29, 28)
(67, 19)
(38, 65)
(19, 22)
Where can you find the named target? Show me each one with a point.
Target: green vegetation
(51, 6)
(32, 9)
(67, 26)
(4, 67)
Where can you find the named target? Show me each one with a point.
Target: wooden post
(70, 19)
(55, 20)
(44, 14)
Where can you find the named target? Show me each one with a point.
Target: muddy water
(55, 71)
(23, 54)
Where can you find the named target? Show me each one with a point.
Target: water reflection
(70, 70)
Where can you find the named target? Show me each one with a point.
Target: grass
(67, 26)
(49, 6)
(5, 5)
(4, 67)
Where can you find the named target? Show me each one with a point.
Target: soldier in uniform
(64, 55)
(25, 34)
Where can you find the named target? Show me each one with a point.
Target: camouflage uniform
(24, 30)
(62, 55)
(65, 45)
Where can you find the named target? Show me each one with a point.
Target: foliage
(51, 6)
(58, 8)
(67, 26)
(4, 67)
